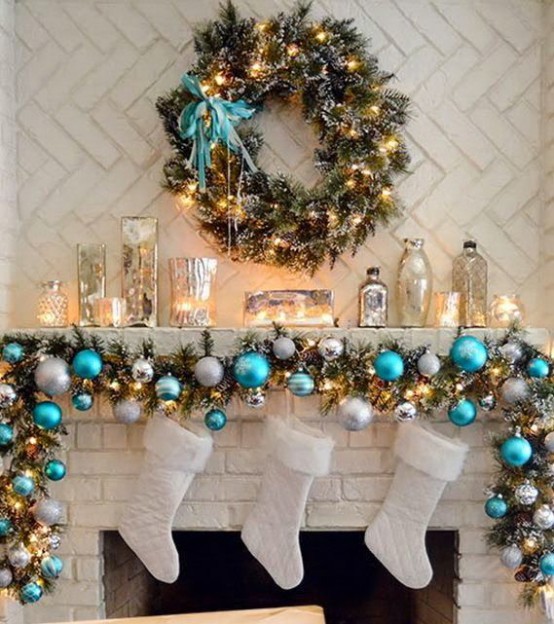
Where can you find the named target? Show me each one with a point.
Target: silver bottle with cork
(469, 276)
(374, 300)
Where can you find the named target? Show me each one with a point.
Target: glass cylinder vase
(52, 308)
(192, 292)
(447, 309)
(110, 311)
(415, 284)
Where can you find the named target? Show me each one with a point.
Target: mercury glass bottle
(52, 305)
(374, 300)
(414, 285)
(469, 276)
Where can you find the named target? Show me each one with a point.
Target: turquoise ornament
(546, 564)
(51, 566)
(87, 364)
(463, 413)
(496, 507)
(6, 434)
(516, 451)
(23, 485)
(301, 384)
(469, 354)
(13, 353)
(31, 592)
(251, 369)
(5, 526)
(538, 368)
(208, 120)
(168, 388)
(82, 401)
(389, 366)
(55, 470)
(47, 415)
(215, 419)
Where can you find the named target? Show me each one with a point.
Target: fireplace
(341, 575)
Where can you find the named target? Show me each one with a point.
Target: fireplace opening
(341, 575)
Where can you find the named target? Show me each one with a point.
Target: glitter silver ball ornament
(142, 371)
(549, 442)
(127, 411)
(19, 556)
(55, 542)
(405, 412)
(8, 395)
(354, 413)
(48, 511)
(53, 377)
(544, 517)
(511, 351)
(428, 364)
(511, 557)
(6, 578)
(487, 403)
(255, 399)
(526, 493)
(331, 348)
(514, 389)
(209, 371)
(283, 348)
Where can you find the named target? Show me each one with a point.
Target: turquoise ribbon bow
(208, 120)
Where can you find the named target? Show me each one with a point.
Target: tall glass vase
(415, 284)
(192, 292)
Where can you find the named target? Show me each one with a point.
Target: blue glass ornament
(301, 384)
(51, 566)
(6, 434)
(87, 364)
(463, 413)
(251, 369)
(13, 353)
(538, 368)
(215, 419)
(516, 451)
(469, 354)
(5, 526)
(496, 507)
(389, 366)
(31, 592)
(47, 415)
(55, 470)
(82, 401)
(23, 485)
(546, 564)
(168, 388)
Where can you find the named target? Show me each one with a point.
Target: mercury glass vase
(52, 305)
(192, 292)
(373, 300)
(415, 284)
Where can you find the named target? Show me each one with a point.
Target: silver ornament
(142, 371)
(405, 412)
(511, 351)
(8, 395)
(283, 348)
(55, 542)
(544, 517)
(127, 411)
(428, 364)
(514, 389)
(53, 377)
(209, 371)
(19, 556)
(6, 578)
(330, 348)
(255, 399)
(48, 511)
(511, 557)
(549, 442)
(354, 413)
(487, 403)
(526, 493)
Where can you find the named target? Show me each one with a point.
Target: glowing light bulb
(374, 110)
(293, 50)
(115, 385)
(353, 64)
(321, 36)
(219, 79)
(386, 193)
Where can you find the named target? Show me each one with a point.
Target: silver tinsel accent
(8, 395)
(209, 371)
(55, 542)
(19, 556)
(354, 413)
(53, 377)
(428, 364)
(6, 578)
(526, 493)
(255, 399)
(544, 517)
(283, 348)
(514, 389)
(142, 371)
(487, 403)
(127, 411)
(511, 351)
(511, 557)
(48, 511)
(405, 412)
(330, 348)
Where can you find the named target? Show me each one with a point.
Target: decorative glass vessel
(110, 311)
(53, 305)
(447, 309)
(192, 292)
(414, 285)
(374, 300)
(91, 263)
(469, 276)
(506, 310)
(301, 308)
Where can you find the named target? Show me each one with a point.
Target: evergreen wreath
(324, 68)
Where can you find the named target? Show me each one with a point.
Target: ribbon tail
(236, 142)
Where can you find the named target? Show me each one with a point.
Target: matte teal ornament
(168, 388)
(82, 401)
(496, 507)
(31, 592)
(51, 566)
(469, 354)
(6, 526)
(23, 485)
(13, 353)
(389, 366)
(87, 364)
(538, 368)
(55, 470)
(516, 451)
(6, 434)
(463, 413)
(47, 415)
(301, 384)
(251, 369)
(546, 564)
(215, 419)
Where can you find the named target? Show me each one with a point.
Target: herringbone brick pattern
(91, 147)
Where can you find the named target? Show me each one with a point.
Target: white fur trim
(299, 447)
(420, 446)
(176, 446)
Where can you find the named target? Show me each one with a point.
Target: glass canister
(506, 310)
(415, 284)
(469, 276)
(52, 309)
(192, 292)
(374, 296)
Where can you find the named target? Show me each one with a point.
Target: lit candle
(447, 309)
(110, 311)
(505, 310)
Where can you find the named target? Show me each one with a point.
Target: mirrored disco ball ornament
(48, 511)
(354, 413)
(405, 412)
(330, 348)
(142, 371)
(283, 348)
(8, 395)
(55, 542)
(209, 371)
(544, 517)
(52, 376)
(19, 556)
(526, 493)
(255, 399)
